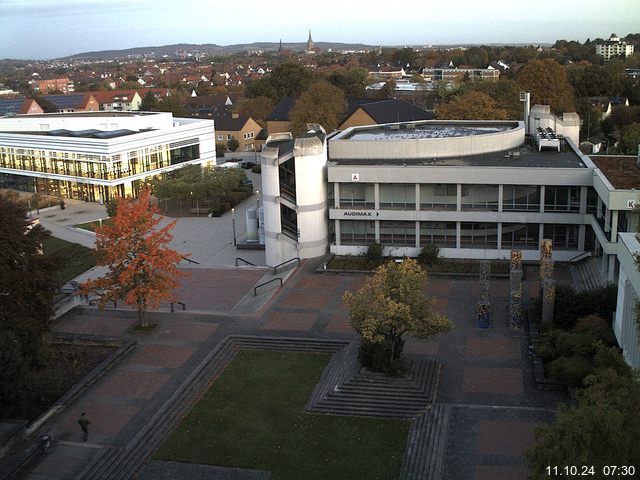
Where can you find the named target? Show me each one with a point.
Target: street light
(233, 225)
(257, 201)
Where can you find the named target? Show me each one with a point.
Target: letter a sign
(355, 177)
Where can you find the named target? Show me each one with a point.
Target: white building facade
(96, 155)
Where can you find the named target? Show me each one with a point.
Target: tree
(173, 103)
(149, 103)
(351, 80)
(321, 103)
(547, 81)
(257, 108)
(390, 304)
(604, 429)
(471, 106)
(233, 144)
(142, 270)
(26, 298)
(631, 139)
(288, 79)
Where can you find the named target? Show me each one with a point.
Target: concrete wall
(625, 325)
(424, 148)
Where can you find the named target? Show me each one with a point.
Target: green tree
(149, 103)
(547, 81)
(174, 103)
(603, 430)
(233, 144)
(288, 79)
(631, 139)
(257, 108)
(142, 270)
(321, 103)
(351, 80)
(26, 299)
(471, 106)
(390, 304)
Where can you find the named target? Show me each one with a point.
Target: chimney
(525, 98)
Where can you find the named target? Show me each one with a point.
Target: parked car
(247, 165)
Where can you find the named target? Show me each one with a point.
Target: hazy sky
(42, 29)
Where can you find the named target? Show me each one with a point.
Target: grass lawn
(253, 417)
(70, 259)
(91, 226)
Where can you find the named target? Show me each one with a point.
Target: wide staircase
(586, 274)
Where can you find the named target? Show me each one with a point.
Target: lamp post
(233, 225)
(257, 200)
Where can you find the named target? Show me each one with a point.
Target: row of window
(246, 136)
(444, 234)
(80, 165)
(473, 197)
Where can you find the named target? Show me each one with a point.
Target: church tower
(309, 43)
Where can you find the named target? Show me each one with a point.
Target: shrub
(570, 306)
(377, 357)
(429, 254)
(571, 370)
(374, 252)
(597, 328)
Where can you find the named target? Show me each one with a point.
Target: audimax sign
(360, 213)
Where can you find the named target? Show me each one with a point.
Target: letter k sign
(355, 177)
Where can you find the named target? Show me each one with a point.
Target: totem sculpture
(483, 307)
(515, 290)
(547, 284)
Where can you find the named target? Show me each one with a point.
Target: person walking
(84, 424)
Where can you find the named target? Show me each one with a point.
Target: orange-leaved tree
(142, 270)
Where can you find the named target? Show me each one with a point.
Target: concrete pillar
(377, 230)
(583, 200)
(612, 269)
(607, 220)
(548, 300)
(542, 193)
(336, 224)
(499, 236)
(458, 230)
(336, 194)
(459, 197)
(582, 234)
(614, 225)
(417, 196)
(500, 197)
(376, 197)
(417, 245)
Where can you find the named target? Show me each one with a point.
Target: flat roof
(100, 113)
(623, 172)
(409, 131)
(526, 156)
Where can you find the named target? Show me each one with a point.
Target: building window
(518, 198)
(592, 200)
(398, 233)
(438, 196)
(442, 234)
(357, 232)
(478, 235)
(229, 137)
(520, 235)
(289, 222)
(220, 137)
(398, 196)
(480, 197)
(564, 237)
(357, 195)
(561, 199)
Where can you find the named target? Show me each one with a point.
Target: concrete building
(625, 325)
(63, 85)
(96, 155)
(244, 129)
(74, 102)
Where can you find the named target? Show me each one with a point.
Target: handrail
(255, 289)
(245, 261)
(275, 269)
(579, 257)
(191, 261)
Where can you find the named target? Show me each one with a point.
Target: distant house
(368, 111)
(210, 106)
(614, 47)
(118, 100)
(607, 104)
(74, 102)
(244, 129)
(592, 145)
(19, 106)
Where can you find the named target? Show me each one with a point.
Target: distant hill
(212, 49)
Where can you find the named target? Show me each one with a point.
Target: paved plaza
(486, 379)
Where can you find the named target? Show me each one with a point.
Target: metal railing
(184, 307)
(295, 259)
(245, 261)
(579, 257)
(255, 289)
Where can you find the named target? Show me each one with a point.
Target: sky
(45, 29)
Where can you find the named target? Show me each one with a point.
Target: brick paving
(485, 377)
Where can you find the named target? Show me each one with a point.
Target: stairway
(586, 274)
